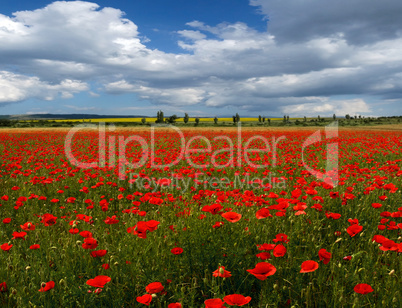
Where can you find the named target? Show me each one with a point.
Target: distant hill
(50, 116)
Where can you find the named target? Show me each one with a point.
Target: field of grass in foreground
(86, 238)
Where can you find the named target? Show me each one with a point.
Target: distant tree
(287, 119)
(160, 118)
(5, 122)
(234, 119)
(143, 121)
(305, 119)
(269, 121)
(259, 119)
(172, 119)
(237, 118)
(216, 120)
(197, 120)
(284, 119)
(186, 118)
(347, 117)
(319, 118)
(263, 119)
(334, 117)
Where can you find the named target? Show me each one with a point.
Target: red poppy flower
(154, 287)
(231, 216)
(152, 225)
(262, 270)
(281, 237)
(333, 215)
(174, 305)
(221, 272)
(34, 247)
(218, 224)
(6, 220)
(86, 234)
(213, 209)
(354, 229)
(363, 288)
(146, 299)
(376, 205)
(90, 243)
(214, 303)
(263, 255)
(111, 220)
(3, 287)
(308, 266)
(266, 246)
(176, 250)
(98, 253)
(47, 286)
(236, 300)
(19, 235)
(263, 213)
(74, 230)
(98, 281)
(279, 250)
(140, 229)
(28, 226)
(6, 247)
(106, 266)
(324, 255)
(48, 219)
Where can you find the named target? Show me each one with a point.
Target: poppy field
(200, 218)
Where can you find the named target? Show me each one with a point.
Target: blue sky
(206, 58)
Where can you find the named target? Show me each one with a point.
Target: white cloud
(326, 107)
(15, 88)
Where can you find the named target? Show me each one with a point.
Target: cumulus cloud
(311, 53)
(325, 106)
(16, 88)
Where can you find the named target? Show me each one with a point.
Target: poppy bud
(62, 282)
(275, 286)
(154, 295)
(391, 272)
(338, 240)
(360, 269)
(339, 265)
(78, 242)
(27, 268)
(221, 271)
